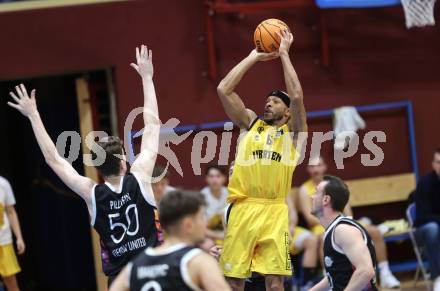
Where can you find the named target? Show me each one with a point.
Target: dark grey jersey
(164, 271)
(125, 221)
(337, 266)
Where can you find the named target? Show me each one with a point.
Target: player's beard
(274, 119)
(317, 211)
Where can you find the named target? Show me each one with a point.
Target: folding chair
(411, 216)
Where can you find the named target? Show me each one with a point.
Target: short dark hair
(338, 192)
(112, 146)
(176, 205)
(437, 151)
(217, 167)
(159, 170)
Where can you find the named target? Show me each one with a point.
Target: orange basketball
(265, 35)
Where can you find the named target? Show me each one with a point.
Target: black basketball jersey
(337, 266)
(125, 221)
(165, 271)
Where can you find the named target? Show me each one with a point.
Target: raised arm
(351, 241)
(27, 106)
(144, 163)
(298, 120)
(232, 103)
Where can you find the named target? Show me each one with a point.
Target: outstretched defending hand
(286, 41)
(144, 60)
(27, 106)
(262, 56)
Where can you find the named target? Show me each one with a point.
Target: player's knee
(274, 283)
(235, 283)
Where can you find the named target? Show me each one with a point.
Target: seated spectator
(307, 189)
(428, 218)
(162, 186)
(9, 220)
(215, 194)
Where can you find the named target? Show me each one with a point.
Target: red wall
(374, 58)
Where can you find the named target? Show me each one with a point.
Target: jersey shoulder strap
(184, 270)
(351, 222)
(257, 121)
(147, 192)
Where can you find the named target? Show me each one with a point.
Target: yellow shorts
(296, 244)
(318, 229)
(8, 261)
(257, 239)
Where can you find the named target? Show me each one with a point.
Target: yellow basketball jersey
(264, 164)
(310, 187)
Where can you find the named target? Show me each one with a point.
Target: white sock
(384, 268)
